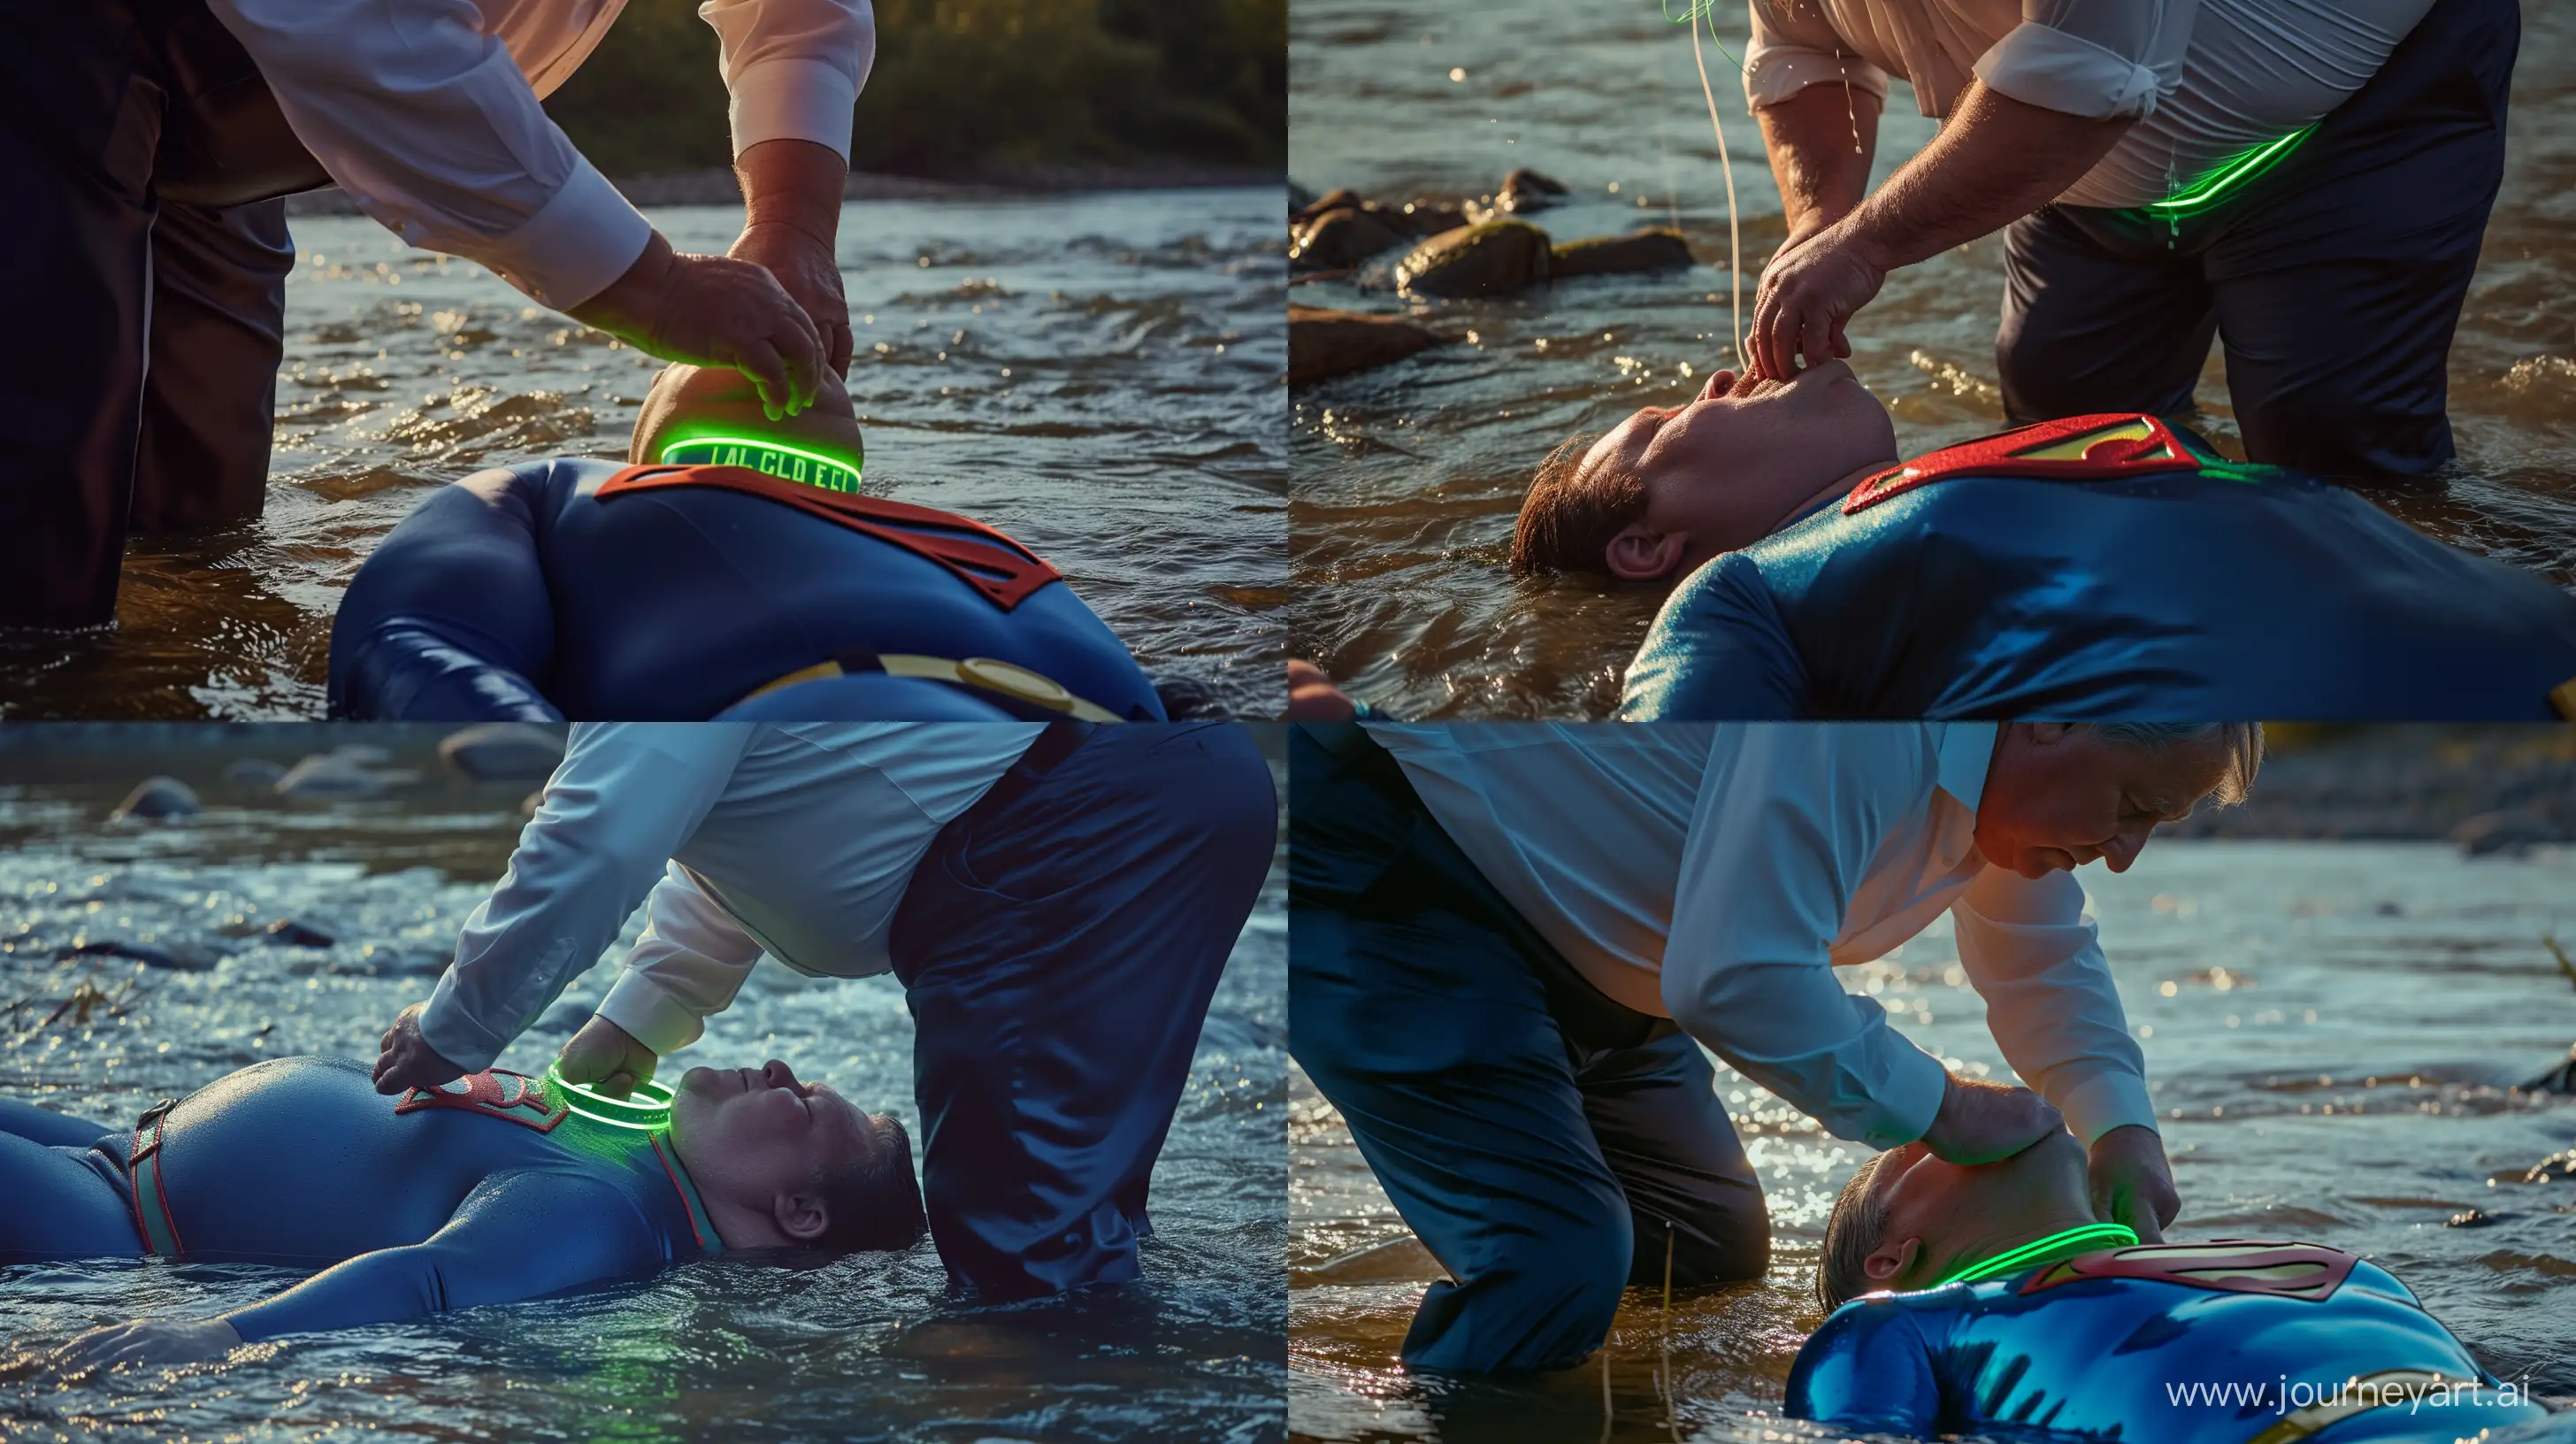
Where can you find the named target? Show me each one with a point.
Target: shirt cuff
(1911, 1097)
(2049, 68)
(583, 240)
(445, 1026)
(1774, 74)
(649, 1014)
(792, 99)
(2106, 1101)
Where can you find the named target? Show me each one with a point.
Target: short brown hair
(1566, 525)
(877, 1204)
(1851, 1233)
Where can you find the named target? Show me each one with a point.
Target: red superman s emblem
(511, 1097)
(2078, 448)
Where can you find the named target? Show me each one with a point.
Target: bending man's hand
(805, 266)
(1981, 1122)
(715, 311)
(1312, 697)
(2132, 1183)
(406, 1061)
(144, 1342)
(1812, 287)
(606, 1057)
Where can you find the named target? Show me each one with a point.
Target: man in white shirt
(147, 144)
(2309, 179)
(1058, 902)
(1508, 944)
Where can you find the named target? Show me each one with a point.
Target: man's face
(1944, 1216)
(1726, 468)
(754, 1135)
(2058, 796)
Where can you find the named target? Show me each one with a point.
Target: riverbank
(716, 186)
(2490, 789)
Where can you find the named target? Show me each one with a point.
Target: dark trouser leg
(1488, 1088)
(2097, 321)
(2338, 293)
(78, 123)
(1664, 1132)
(1058, 956)
(218, 334)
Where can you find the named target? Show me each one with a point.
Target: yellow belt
(982, 674)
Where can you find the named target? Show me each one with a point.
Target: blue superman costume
(2231, 1342)
(594, 590)
(2103, 567)
(489, 1191)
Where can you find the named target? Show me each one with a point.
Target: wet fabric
(1058, 947)
(2050, 1349)
(523, 594)
(1547, 1145)
(2227, 592)
(140, 396)
(299, 1161)
(2335, 278)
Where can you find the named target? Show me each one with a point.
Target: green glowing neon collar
(789, 463)
(648, 1110)
(2228, 178)
(2067, 1243)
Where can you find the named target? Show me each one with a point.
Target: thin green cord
(2218, 184)
(2100, 1235)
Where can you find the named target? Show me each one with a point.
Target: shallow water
(861, 1348)
(1097, 375)
(2332, 1031)
(1406, 478)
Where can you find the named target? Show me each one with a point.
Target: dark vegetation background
(971, 89)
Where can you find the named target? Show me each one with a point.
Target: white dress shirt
(1716, 874)
(797, 840)
(2205, 80)
(425, 111)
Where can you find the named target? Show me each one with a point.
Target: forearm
(1821, 141)
(1997, 160)
(793, 183)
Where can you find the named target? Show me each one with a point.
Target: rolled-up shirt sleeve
(1787, 820)
(2030, 952)
(625, 797)
(2094, 58)
(793, 67)
(1793, 47)
(689, 964)
(421, 115)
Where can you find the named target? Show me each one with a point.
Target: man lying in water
(2105, 567)
(2060, 1330)
(494, 1189)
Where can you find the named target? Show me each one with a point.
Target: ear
(1638, 554)
(800, 1216)
(1890, 1260)
(2045, 734)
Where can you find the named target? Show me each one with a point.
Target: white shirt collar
(1961, 752)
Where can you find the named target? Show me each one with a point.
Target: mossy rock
(1492, 259)
(1660, 248)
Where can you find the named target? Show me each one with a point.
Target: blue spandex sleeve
(1718, 652)
(1868, 1370)
(43, 1125)
(518, 1236)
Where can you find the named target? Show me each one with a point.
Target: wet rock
(1337, 240)
(1419, 216)
(253, 772)
(1657, 249)
(2510, 833)
(2556, 1168)
(1339, 198)
(2560, 1080)
(1492, 259)
(337, 775)
(157, 799)
(288, 933)
(2476, 1218)
(176, 958)
(503, 751)
(1324, 342)
(1526, 190)
(1298, 199)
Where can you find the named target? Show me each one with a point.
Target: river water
(1406, 479)
(2332, 1031)
(861, 1348)
(1095, 374)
